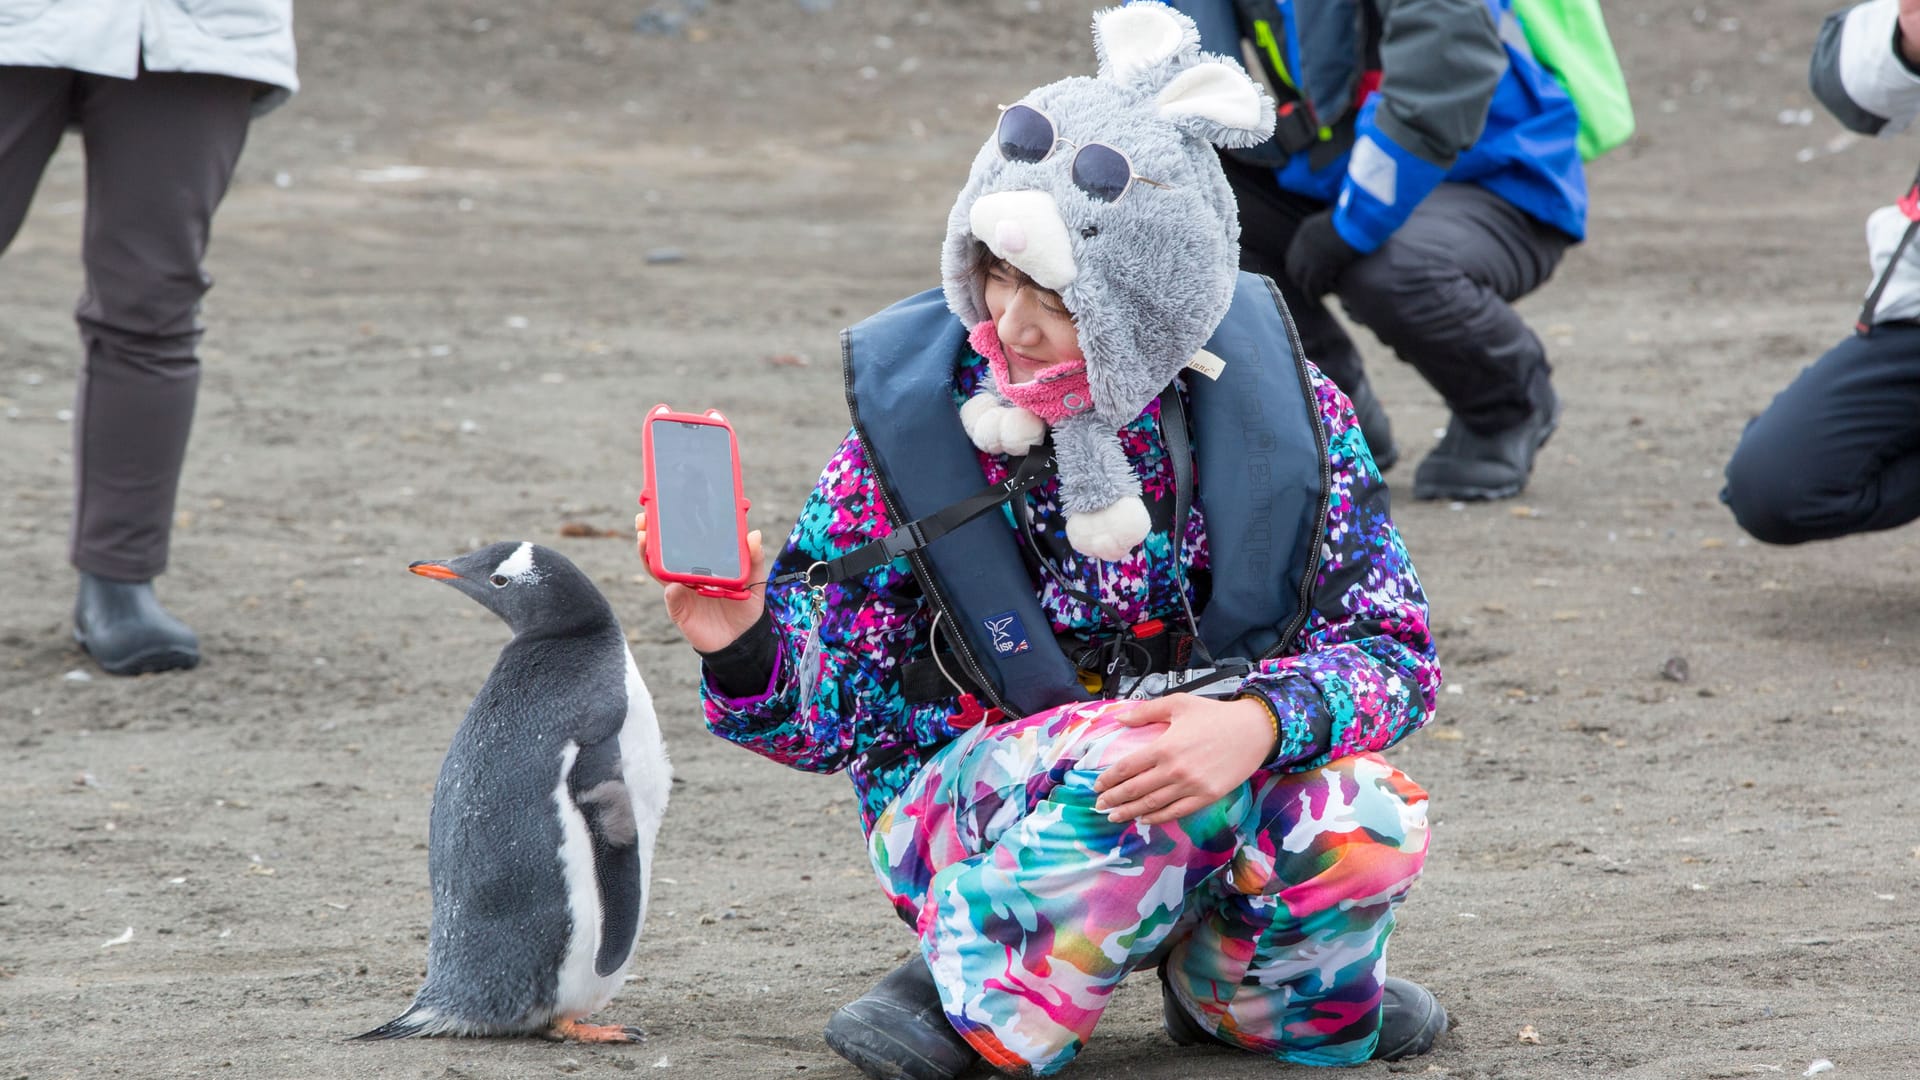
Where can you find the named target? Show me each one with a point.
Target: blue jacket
(1410, 94)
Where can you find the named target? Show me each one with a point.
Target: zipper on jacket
(1299, 620)
(921, 571)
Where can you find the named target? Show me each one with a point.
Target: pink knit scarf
(1055, 394)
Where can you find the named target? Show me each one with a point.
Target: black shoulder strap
(1173, 426)
(1295, 125)
(1033, 471)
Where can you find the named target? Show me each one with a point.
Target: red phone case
(734, 589)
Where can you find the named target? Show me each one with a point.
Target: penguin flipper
(599, 790)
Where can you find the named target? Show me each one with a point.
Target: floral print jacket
(1361, 676)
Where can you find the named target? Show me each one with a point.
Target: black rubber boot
(898, 1031)
(1182, 1028)
(1471, 466)
(126, 631)
(1374, 425)
(1410, 1020)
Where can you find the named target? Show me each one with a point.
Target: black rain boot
(1471, 466)
(1374, 425)
(1182, 1028)
(898, 1031)
(1410, 1020)
(126, 631)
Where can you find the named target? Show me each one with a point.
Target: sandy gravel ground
(456, 271)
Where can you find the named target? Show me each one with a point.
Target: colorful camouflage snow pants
(1030, 906)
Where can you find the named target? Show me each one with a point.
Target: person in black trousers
(161, 95)
(1838, 451)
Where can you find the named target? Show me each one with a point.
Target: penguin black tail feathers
(415, 1023)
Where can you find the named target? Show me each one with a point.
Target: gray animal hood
(1147, 277)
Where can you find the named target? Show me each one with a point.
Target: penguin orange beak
(433, 570)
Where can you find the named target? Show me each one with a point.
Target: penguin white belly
(647, 774)
(580, 990)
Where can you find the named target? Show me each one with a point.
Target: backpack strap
(1295, 127)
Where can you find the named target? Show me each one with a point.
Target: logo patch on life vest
(1009, 636)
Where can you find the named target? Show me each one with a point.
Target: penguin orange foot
(563, 1030)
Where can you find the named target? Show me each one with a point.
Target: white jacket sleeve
(1858, 73)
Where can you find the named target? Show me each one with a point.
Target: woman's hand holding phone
(709, 623)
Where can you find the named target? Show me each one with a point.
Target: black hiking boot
(1374, 425)
(1470, 466)
(1410, 1020)
(898, 1031)
(126, 631)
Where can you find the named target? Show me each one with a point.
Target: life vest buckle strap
(904, 540)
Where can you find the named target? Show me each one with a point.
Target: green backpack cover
(1569, 38)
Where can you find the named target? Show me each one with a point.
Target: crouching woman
(1101, 608)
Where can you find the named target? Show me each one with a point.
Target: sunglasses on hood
(1027, 135)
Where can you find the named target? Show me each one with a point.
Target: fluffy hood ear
(1216, 101)
(1149, 274)
(1131, 40)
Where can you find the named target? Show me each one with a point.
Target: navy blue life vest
(1262, 470)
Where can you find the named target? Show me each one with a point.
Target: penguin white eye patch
(1027, 135)
(515, 567)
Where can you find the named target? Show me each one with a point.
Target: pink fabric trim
(737, 705)
(1060, 392)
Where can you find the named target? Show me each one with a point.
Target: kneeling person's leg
(1289, 957)
(1838, 451)
(1438, 293)
(1028, 933)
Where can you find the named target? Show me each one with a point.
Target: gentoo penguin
(544, 815)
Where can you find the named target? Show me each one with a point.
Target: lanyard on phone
(1035, 469)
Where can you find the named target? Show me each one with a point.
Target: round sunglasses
(1027, 135)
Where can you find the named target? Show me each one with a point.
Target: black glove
(1318, 255)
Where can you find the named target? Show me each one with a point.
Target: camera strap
(1910, 206)
(1035, 469)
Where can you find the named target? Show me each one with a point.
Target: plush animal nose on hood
(1024, 228)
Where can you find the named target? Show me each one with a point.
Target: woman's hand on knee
(1209, 748)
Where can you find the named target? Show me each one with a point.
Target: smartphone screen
(695, 511)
